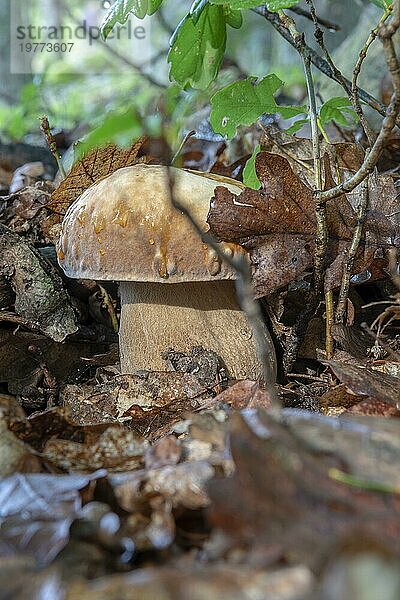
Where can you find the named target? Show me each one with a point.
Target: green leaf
(272, 5)
(297, 125)
(237, 4)
(275, 5)
(383, 4)
(198, 47)
(243, 102)
(121, 9)
(250, 178)
(337, 109)
(234, 19)
(118, 128)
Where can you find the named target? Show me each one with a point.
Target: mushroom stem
(156, 317)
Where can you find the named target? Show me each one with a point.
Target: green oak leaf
(250, 178)
(121, 9)
(272, 5)
(198, 47)
(243, 102)
(337, 109)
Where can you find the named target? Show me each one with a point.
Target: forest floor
(185, 484)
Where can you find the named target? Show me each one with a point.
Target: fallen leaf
(283, 495)
(116, 450)
(41, 300)
(277, 224)
(367, 382)
(214, 582)
(36, 512)
(94, 166)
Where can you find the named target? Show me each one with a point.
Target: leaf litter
(183, 484)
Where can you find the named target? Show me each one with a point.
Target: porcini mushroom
(175, 290)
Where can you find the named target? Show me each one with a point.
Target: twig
(349, 261)
(303, 13)
(320, 63)
(51, 142)
(329, 341)
(114, 53)
(320, 208)
(385, 346)
(385, 33)
(356, 72)
(244, 289)
(351, 90)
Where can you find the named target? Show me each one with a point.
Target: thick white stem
(156, 317)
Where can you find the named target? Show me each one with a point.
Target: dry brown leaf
(94, 166)
(116, 450)
(367, 382)
(277, 224)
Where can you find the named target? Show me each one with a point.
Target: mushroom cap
(125, 228)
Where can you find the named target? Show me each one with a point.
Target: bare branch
(320, 63)
(323, 22)
(349, 262)
(386, 33)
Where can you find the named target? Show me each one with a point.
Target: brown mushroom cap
(124, 227)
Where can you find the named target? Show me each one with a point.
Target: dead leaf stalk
(51, 142)
(351, 256)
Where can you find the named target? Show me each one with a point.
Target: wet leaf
(243, 102)
(198, 46)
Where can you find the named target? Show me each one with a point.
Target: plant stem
(349, 261)
(51, 142)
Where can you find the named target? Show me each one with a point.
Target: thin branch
(355, 99)
(320, 63)
(303, 13)
(320, 208)
(351, 91)
(321, 244)
(349, 261)
(250, 307)
(114, 53)
(386, 33)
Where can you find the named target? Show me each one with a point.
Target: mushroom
(175, 290)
